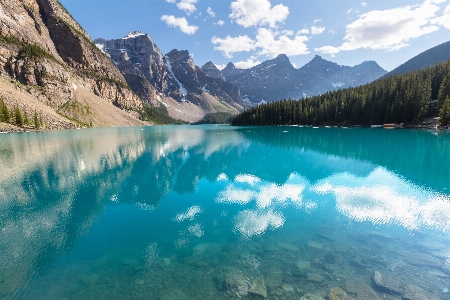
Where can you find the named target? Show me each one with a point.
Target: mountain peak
(133, 34)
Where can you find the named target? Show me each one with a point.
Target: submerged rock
(311, 297)
(387, 283)
(315, 277)
(337, 293)
(259, 288)
(314, 246)
(173, 294)
(288, 247)
(303, 264)
(361, 289)
(233, 282)
(287, 288)
(413, 292)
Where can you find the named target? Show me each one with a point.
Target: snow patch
(182, 89)
(101, 47)
(134, 34)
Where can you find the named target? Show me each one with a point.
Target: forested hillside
(401, 98)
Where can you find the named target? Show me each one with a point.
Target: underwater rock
(311, 297)
(315, 277)
(287, 288)
(420, 259)
(303, 264)
(413, 292)
(387, 283)
(274, 279)
(233, 282)
(172, 294)
(361, 289)
(314, 246)
(288, 247)
(259, 288)
(337, 293)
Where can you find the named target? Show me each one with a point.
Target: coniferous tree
(18, 117)
(4, 112)
(26, 119)
(444, 112)
(444, 90)
(37, 125)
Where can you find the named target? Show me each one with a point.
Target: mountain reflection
(54, 186)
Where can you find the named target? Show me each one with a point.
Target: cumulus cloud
(221, 67)
(180, 23)
(250, 62)
(230, 45)
(444, 20)
(330, 50)
(273, 44)
(248, 13)
(303, 31)
(210, 12)
(220, 23)
(270, 43)
(392, 29)
(317, 30)
(187, 5)
(363, 3)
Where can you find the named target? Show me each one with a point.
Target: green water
(217, 212)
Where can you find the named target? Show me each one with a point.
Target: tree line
(17, 118)
(402, 98)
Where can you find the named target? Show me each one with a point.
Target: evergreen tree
(26, 119)
(444, 90)
(37, 125)
(4, 112)
(18, 117)
(444, 112)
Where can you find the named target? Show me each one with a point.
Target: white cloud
(170, 1)
(363, 3)
(303, 31)
(210, 12)
(444, 20)
(288, 32)
(391, 29)
(248, 13)
(330, 50)
(270, 43)
(180, 23)
(230, 45)
(251, 62)
(317, 30)
(317, 20)
(221, 67)
(350, 10)
(187, 5)
(220, 23)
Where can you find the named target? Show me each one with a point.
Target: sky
(247, 32)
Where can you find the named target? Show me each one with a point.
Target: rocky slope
(46, 53)
(156, 78)
(277, 79)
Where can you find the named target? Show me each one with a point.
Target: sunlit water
(217, 212)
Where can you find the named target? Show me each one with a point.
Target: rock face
(211, 70)
(195, 81)
(44, 48)
(140, 60)
(277, 79)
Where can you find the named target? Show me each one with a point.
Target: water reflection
(165, 195)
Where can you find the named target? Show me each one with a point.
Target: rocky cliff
(154, 76)
(277, 79)
(49, 55)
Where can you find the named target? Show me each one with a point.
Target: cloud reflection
(385, 198)
(254, 222)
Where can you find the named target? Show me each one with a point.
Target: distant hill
(430, 57)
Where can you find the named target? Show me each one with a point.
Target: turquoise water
(216, 212)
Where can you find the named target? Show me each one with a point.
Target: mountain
(440, 53)
(172, 80)
(277, 79)
(51, 68)
(211, 70)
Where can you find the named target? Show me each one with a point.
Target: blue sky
(246, 32)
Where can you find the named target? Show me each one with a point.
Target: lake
(220, 212)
